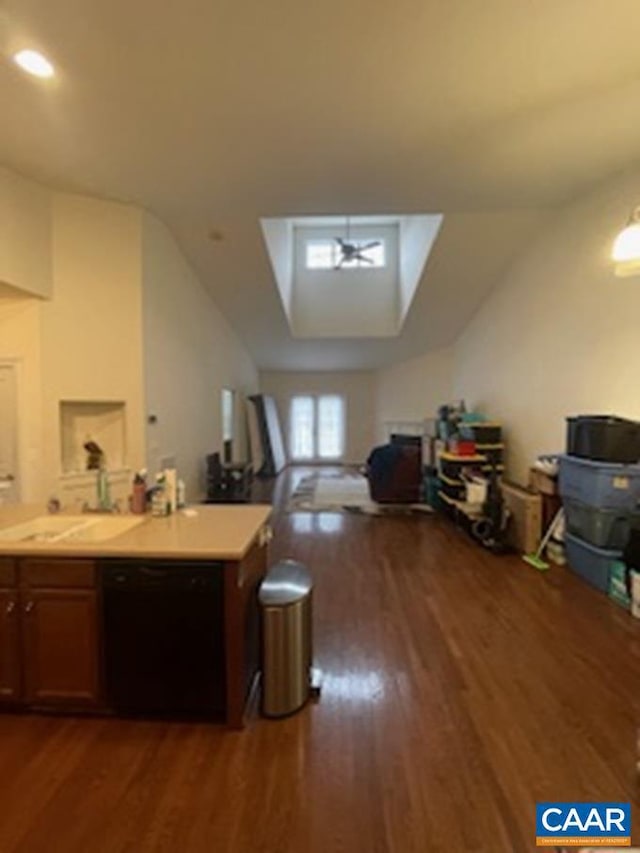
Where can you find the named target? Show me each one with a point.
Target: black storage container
(632, 549)
(494, 453)
(487, 470)
(453, 488)
(481, 433)
(604, 438)
(452, 466)
(446, 507)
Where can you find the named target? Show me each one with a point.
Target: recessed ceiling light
(34, 63)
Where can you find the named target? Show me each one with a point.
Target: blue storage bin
(592, 564)
(604, 528)
(605, 485)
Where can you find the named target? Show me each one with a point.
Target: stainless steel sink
(69, 528)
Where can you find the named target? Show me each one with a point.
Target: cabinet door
(60, 638)
(242, 629)
(9, 647)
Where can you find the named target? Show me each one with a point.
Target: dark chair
(394, 472)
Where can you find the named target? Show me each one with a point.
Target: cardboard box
(543, 483)
(525, 525)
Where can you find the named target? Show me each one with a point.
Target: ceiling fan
(353, 250)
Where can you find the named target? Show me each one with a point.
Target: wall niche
(91, 420)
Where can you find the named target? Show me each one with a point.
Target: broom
(536, 560)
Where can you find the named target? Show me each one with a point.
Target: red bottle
(139, 496)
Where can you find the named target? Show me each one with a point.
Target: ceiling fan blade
(360, 257)
(371, 245)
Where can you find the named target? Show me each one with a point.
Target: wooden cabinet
(51, 632)
(10, 681)
(49, 638)
(59, 630)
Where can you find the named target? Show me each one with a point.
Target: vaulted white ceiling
(215, 114)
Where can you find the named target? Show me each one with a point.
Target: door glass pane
(227, 414)
(301, 428)
(330, 427)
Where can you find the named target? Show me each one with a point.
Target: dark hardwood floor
(460, 688)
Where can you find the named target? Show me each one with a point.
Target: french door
(316, 427)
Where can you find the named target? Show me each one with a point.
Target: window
(320, 254)
(316, 427)
(326, 255)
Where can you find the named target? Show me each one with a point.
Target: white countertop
(203, 531)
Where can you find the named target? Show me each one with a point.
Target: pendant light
(626, 247)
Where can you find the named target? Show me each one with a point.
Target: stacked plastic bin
(599, 482)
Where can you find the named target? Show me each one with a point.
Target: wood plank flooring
(460, 688)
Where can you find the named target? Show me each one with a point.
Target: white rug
(347, 492)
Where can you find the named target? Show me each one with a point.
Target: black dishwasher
(164, 637)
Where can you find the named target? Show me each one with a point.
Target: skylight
(385, 256)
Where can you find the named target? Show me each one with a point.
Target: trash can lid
(285, 583)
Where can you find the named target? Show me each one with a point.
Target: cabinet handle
(265, 536)
(11, 606)
(28, 607)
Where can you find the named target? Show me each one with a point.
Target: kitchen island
(54, 649)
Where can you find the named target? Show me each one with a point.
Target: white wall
(91, 341)
(190, 354)
(278, 236)
(358, 390)
(25, 234)
(20, 345)
(560, 335)
(417, 236)
(96, 260)
(413, 390)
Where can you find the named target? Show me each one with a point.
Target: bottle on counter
(171, 488)
(159, 504)
(139, 493)
(102, 490)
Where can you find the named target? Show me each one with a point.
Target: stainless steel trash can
(285, 599)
